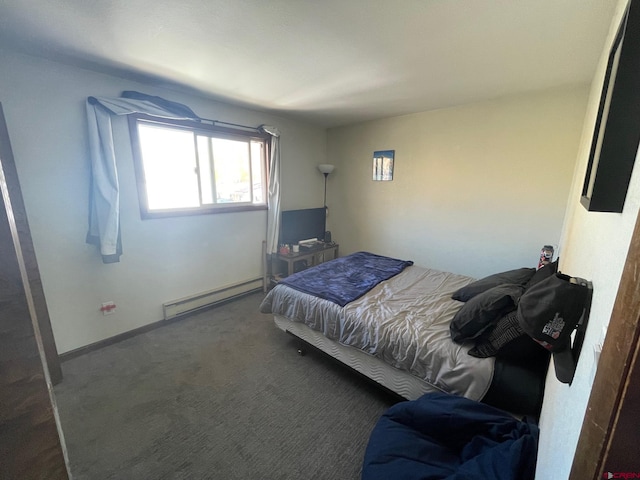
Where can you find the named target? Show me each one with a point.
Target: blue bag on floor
(442, 436)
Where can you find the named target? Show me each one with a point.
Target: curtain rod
(93, 100)
(232, 124)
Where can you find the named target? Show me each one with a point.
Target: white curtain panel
(273, 216)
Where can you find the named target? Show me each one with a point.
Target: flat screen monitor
(296, 225)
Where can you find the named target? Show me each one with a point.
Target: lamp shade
(326, 168)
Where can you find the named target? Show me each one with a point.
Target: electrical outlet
(108, 308)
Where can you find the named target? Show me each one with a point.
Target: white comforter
(403, 321)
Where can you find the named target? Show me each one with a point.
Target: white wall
(476, 189)
(593, 246)
(163, 259)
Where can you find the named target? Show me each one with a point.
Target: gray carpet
(219, 395)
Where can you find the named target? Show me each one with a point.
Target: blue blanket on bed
(345, 279)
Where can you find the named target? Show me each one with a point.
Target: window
(186, 168)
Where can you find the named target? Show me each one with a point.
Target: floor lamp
(326, 169)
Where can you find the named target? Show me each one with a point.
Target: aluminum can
(546, 255)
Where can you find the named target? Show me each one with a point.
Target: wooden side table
(312, 256)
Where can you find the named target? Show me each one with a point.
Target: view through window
(186, 168)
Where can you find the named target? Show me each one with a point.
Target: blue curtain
(104, 209)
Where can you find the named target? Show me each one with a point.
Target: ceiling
(329, 62)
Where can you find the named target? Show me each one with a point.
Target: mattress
(403, 322)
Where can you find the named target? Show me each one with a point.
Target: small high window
(186, 168)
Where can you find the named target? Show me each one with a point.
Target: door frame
(28, 252)
(602, 437)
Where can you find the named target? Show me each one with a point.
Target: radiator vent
(196, 302)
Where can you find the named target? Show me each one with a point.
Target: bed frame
(390, 378)
(512, 385)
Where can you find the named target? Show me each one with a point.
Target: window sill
(182, 212)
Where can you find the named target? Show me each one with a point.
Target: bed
(398, 332)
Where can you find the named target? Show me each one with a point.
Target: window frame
(197, 128)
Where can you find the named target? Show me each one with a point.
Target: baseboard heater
(196, 302)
